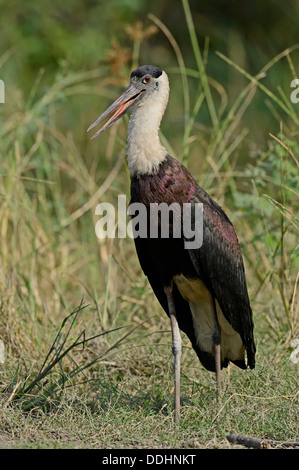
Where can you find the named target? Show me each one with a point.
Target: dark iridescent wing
(220, 265)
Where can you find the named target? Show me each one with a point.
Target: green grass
(134, 408)
(99, 373)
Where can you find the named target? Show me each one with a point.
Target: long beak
(120, 105)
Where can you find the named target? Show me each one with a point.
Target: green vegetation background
(231, 121)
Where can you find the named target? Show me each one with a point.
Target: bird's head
(146, 83)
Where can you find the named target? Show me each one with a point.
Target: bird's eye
(146, 79)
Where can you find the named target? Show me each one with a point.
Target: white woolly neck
(145, 151)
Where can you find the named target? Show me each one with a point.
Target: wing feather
(219, 264)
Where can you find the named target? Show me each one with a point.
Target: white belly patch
(197, 295)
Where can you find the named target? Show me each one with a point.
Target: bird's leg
(177, 352)
(216, 338)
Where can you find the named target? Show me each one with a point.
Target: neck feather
(145, 151)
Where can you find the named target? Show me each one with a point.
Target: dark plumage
(218, 263)
(146, 69)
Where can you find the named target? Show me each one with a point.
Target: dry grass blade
(56, 353)
(290, 152)
(97, 195)
(290, 216)
(275, 397)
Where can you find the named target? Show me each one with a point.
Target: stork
(202, 290)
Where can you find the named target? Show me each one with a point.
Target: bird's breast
(169, 183)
